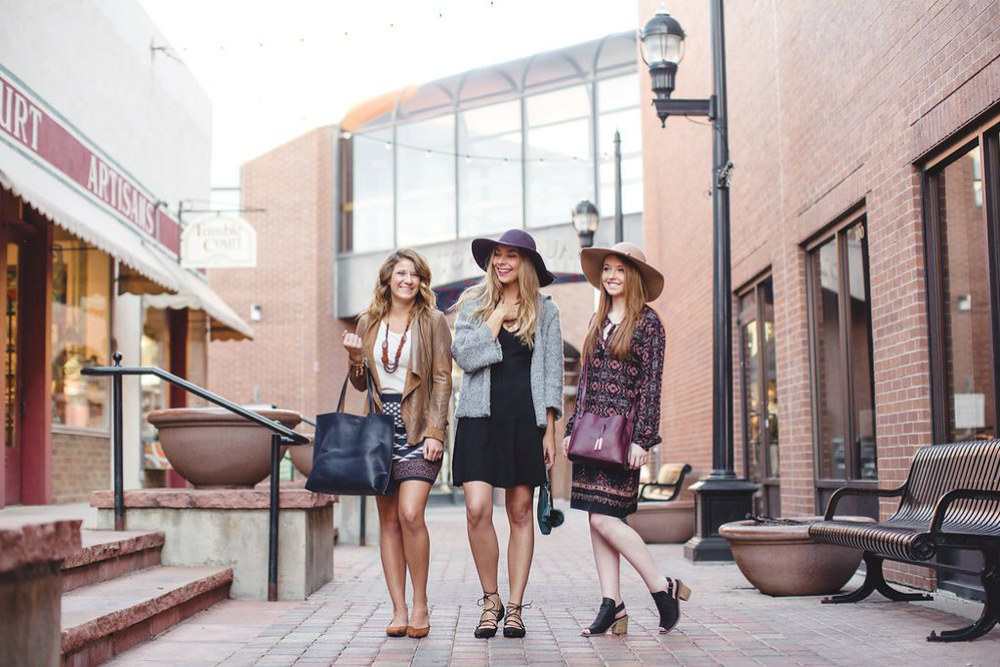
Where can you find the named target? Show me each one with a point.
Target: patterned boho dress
(613, 387)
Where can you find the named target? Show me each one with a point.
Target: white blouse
(392, 383)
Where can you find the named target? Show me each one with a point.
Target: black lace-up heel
(490, 619)
(667, 603)
(607, 618)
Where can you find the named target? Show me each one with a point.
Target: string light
(428, 152)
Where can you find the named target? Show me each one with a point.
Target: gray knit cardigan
(475, 349)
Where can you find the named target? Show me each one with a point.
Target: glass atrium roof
(609, 56)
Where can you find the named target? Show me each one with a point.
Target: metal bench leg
(990, 576)
(875, 581)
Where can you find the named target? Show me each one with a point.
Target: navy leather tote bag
(353, 453)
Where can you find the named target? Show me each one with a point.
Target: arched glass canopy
(516, 144)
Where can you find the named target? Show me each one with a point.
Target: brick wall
(295, 360)
(831, 107)
(80, 464)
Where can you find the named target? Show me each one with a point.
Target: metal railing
(280, 436)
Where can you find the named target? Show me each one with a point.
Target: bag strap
(369, 381)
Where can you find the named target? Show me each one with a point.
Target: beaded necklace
(394, 365)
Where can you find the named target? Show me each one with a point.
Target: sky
(275, 69)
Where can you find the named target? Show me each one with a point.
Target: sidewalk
(725, 623)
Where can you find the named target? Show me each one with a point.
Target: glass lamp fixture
(585, 220)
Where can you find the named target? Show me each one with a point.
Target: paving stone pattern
(725, 623)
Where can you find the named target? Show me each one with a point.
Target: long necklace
(394, 366)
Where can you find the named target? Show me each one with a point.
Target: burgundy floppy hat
(482, 250)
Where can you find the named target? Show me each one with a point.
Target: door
(13, 404)
(759, 387)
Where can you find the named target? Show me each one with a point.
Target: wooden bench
(951, 499)
(669, 482)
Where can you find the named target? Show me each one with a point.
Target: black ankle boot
(667, 603)
(606, 619)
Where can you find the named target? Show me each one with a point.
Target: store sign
(219, 242)
(25, 123)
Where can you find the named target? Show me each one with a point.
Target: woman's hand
(566, 447)
(637, 457)
(549, 448)
(353, 345)
(433, 449)
(509, 309)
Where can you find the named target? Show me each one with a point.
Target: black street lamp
(585, 220)
(720, 497)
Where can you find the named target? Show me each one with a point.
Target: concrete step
(104, 619)
(108, 554)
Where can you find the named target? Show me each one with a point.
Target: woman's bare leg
(623, 539)
(521, 547)
(393, 559)
(416, 544)
(482, 535)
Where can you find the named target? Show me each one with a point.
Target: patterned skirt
(605, 490)
(408, 462)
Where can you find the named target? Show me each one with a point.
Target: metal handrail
(281, 436)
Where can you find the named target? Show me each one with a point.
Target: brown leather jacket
(427, 391)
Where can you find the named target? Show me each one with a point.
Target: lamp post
(720, 496)
(585, 220)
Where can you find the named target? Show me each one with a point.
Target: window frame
(986, 139)
(852, 455)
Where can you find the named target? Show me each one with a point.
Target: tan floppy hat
(592, 260)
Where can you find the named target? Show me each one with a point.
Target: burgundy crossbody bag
(600, 441)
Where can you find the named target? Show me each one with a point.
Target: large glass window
(81, 321)
(368, 196)
(559, 171)
(489, 181)
(760, 394)
(966, 300)
(425, 211)
(840, 320)
(618, 109)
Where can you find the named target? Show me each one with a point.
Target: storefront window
(426, 181)
(618, 109)
(81, 320)
(154, 350)
(489, 173)
(368, 196)
(965, 310)
(840, 319)
(560, 168)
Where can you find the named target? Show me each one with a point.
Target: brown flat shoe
(397, 630)
(417, 633)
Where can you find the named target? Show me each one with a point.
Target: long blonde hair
(635, 300)
(426, 300)
(486, 295)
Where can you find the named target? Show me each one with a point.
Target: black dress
(504, 449)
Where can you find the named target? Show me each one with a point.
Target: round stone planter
(302, 458)
(663, 523)
(781, 559)
(213, 448)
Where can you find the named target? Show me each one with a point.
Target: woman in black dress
(623, 368)
(509, 346)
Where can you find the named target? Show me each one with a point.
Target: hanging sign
(219, 242)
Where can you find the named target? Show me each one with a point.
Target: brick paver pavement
(726, 622)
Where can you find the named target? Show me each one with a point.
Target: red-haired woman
(623, 368)
(406, 341)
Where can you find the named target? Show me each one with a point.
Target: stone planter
(213, 448)
(302, 458)
(781, 559)
(664, 523)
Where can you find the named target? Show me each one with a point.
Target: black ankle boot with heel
(608, 619)
(667, 603)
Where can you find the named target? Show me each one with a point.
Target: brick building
(864, 231)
